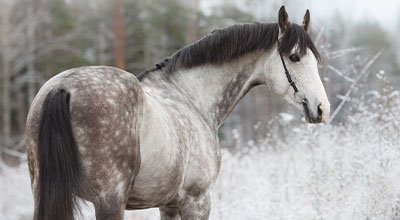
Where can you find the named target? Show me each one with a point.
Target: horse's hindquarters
(105, 110)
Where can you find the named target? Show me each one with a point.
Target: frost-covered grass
(345, 171)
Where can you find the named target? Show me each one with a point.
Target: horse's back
(105, 105)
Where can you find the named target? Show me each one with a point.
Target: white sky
(386, 12)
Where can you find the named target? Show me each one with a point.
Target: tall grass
(349, 170)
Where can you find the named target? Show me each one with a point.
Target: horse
(123, 142)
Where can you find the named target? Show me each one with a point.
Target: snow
(343, 171)
(286, 118)
(15, 193)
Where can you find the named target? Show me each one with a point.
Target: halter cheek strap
(289, 78)
(288, 74)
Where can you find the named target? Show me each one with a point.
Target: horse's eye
(294, 58)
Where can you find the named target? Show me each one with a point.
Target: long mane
(232, 42)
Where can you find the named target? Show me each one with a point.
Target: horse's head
(295, 59)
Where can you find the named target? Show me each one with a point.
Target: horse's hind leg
(109, 193)
(110, 202)
(109, 210)
(111, 179)
(169, 213)
(196, 208)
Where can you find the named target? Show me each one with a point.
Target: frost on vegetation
(286, 118)
(342, 171)
(345, 171)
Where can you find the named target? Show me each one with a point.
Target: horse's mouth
(308, 115)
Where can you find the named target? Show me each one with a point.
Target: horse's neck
(216, 89)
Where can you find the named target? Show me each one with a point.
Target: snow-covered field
(345, 171)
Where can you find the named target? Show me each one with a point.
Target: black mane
(232, 42)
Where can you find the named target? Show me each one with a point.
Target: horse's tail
(59, 165)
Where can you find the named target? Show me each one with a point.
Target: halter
(304, 100)
(289, 78)
(288, 74)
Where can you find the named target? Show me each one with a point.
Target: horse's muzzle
(310, 118)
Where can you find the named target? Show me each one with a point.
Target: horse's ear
(283, 19)
(306, 21)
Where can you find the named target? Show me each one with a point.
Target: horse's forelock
(296, 35)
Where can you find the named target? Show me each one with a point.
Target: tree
(6, 70)
(373, 38)
(119, 35)
(24, 50)
(193, 32)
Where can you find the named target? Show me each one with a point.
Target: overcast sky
(386, 12)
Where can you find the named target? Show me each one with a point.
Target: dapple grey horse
(126, 142)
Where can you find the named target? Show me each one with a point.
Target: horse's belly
(179, 156)
(163, 161)
(159, 179)
(153, 189)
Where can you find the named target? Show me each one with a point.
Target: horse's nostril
(319, 111)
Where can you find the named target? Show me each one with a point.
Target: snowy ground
(348, 171)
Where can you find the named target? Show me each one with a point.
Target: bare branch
(347, 95)
(339, 73)
(44, 47)
(15, 153)
(340, 53)
(319, 36)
